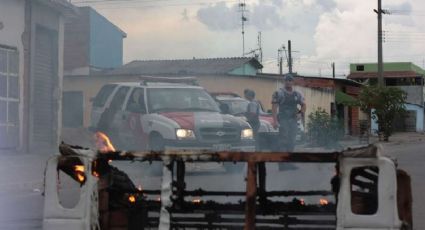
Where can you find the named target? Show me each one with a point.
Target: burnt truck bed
(175, 205)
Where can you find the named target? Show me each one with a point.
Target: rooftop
(186, 67)
(391, 70)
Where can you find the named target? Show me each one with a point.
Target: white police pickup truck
(167, 113)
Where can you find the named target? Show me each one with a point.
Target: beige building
(215, 75)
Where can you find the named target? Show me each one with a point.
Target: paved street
(21, 180)
(410, 154)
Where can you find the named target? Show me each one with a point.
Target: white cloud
(322, 31)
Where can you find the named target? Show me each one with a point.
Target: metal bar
(251, 195)
(200, 192)
(234, 227)
(224, 156)
(262, 173)
(276, 221)
(300, 193)
(180, 184)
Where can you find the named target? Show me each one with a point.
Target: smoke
(263, 16)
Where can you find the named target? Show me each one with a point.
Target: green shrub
(323, 130)
(384, 104)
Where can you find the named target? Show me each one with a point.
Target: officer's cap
(288, 77)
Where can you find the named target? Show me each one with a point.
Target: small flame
(103, 143)
(96, 174)
(196, 201)
(158, 199)
(80, 177)
(140, 188)
(302, 202)
(79, 172)
(132, 199)
(79, 168)
(323, 202)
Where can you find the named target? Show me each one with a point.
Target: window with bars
(9, 98)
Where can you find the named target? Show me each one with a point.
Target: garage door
(410, 121)
(44, 82)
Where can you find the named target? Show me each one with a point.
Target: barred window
(9, 98)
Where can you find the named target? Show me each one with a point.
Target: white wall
(12, 17)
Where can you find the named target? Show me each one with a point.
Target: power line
(126, 4)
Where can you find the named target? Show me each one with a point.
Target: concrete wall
(77, 38)
(415, 94)
(106, 42)
(12, 25)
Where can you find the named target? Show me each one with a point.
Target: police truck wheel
(156, 143)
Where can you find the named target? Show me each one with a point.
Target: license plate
(221, 147)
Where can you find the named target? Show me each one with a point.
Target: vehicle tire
(156, 142)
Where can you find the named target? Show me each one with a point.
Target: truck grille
(220, 135)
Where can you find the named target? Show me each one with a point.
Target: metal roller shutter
(44, 82)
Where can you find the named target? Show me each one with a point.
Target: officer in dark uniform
(286, 113)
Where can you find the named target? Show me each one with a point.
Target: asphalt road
(21, 202)
(410, 155)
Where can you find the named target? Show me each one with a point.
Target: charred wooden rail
(177, 158)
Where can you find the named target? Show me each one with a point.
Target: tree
(384, 104)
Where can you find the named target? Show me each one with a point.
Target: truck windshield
(180, 99)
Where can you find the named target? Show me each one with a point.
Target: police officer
(285, 111)
(252, 113)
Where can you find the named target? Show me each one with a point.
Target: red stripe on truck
(186, 120)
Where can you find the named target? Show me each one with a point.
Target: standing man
(252, 113)
(286, 113)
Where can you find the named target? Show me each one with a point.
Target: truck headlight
(184, 134)
(247, 134)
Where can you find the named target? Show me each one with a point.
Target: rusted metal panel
(251, 195)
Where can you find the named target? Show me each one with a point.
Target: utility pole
(280, 60)
(242, 9)
(333, 69)
(380, 12)
(289, 56)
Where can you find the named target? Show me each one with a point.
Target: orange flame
(79, 172)
(323, 202)
(79, 168)
(80, 177)
(132, 199)
(103, 143)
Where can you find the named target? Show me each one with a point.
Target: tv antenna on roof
(242, 9)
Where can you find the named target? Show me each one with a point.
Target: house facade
(92, 44)
(31, 64)
(404, 75)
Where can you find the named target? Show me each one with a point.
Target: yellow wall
(263, 86)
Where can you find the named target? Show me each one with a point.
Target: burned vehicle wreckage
(365, 192)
